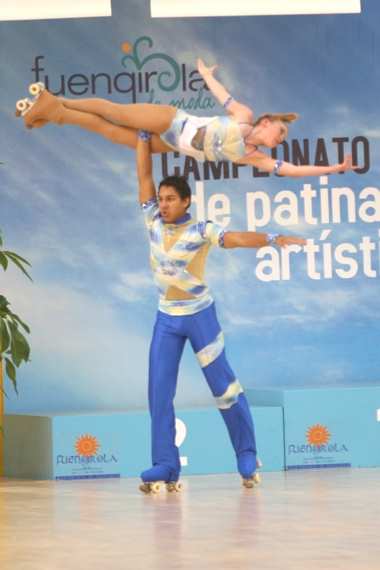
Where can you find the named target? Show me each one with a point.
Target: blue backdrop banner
(304, 316)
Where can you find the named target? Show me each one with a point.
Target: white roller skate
(24, 105)
(40, 110)
(36, 89)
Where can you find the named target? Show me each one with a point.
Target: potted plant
(14, 348)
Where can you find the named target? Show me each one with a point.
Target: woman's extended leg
(117, 134)
(148, 116)
(50, 109)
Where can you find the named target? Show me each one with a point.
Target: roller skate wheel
(36, 88)
(252, 481)
(22, 105)
(144, 487)
(256, 479)
(147, 488)
(174, 486)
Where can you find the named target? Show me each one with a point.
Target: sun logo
(318, 435)
(87, 445)
(126, 47)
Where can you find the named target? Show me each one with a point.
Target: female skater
(235, 137)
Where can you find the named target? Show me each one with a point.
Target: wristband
(144, 135)
(271, 239)
(221, 238)
(228, 101)
(277, 166)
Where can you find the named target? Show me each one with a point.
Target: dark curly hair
(180, 185)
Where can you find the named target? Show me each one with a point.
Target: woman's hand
(203, 69)
(346, 164)
(284, 241)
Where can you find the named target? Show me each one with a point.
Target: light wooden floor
(325, 519)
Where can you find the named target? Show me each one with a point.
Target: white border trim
(197, 8)
(53, 9)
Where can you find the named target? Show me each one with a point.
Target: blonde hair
(283, 117)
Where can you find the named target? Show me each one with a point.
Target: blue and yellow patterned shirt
(178, 254)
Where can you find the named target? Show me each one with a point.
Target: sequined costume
(223, 139)
(187, 311)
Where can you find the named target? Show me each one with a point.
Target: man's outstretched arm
(147, 190)
(256, 240)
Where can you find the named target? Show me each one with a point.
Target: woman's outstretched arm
(239, 111)
(268, 164)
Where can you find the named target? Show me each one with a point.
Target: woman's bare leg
(117, 134)
(48, 109)
(148, 116)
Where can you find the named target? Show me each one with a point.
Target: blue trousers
(206, 338)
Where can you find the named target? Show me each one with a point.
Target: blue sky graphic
(68, 204)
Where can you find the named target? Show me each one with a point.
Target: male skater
(179, 247)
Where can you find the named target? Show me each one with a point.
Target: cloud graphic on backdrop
(79, 347)
(134, 286)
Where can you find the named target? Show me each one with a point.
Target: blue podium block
(107, 445)
(336, 427)
(87, 446)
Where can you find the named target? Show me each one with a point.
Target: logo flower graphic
(318, 435)
(167, 80)
(87, 445)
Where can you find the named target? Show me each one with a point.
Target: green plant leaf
(3, 302)
(11, 373)
(15, 259)
(2, 389)
(20, 349)
(5, 394)
(16, 256)
(17, 318)
(3, 261)
(12, 342)
(4, 335)
(5, 313)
